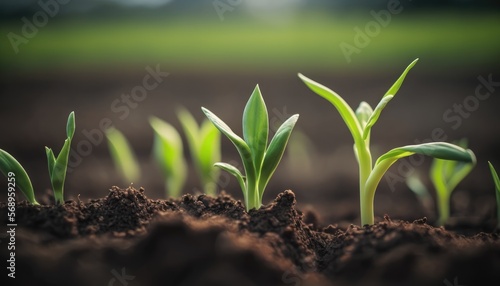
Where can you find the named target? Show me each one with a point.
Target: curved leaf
(23, 182)
(339, 103)
(440, 150)
(256, 127)
(240, 144)
(235, 172)
(275, 152)
(395, 87)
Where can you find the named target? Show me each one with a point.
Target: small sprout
(259, 160)
(59, 165)
(10, 167)
(445, 176)
(168, 152)
(360, 124)
(123, 156)
(204, 147)
(496, 180)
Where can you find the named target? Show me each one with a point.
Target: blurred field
(307, 41)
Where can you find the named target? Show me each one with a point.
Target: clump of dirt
(127, 239)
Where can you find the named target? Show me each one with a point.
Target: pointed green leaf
(395, 87)
(275, 152)
(10, 164)
(123, 156)
(51, 160)
(70, 125)
(386, 98)
(339, 103)
(256, 126)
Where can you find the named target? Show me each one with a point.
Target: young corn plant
(259, 160)
(496, 180)
(204, 147)
(58, 165)
(168, 152)
(11, 168)
(360, 124)
(445, 176)
(123, 156)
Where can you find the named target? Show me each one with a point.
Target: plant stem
(365, 168)
(444, 208)
(371, 186)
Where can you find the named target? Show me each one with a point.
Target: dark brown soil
(128, 239)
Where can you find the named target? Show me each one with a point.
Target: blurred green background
(243, 35)
(57, 57)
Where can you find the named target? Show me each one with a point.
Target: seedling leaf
(123, 155)
(58, 165)
(235, 172)
(339, 103)
(275, 151)
(168, 152)
(255, 126)
(9, 164)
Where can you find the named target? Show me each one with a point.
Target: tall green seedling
(360, 124)
(204, 146)
(123, 156)
(58, 165)
(259, 160)
(445, 176)
(168, 153)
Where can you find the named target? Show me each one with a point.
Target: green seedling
(496, 180)
(168, 152)
(11, 168)
(58, 166)
(204, 147)
(360, 124)
(445, 176)
(259, 160)
(123, 156)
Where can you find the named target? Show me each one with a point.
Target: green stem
(365, 168)
(59, 198)
(371, 186)
(252, 193)
(444, 207)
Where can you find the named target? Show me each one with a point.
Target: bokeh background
(85, 56)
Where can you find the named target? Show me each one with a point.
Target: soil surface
(126, 238)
